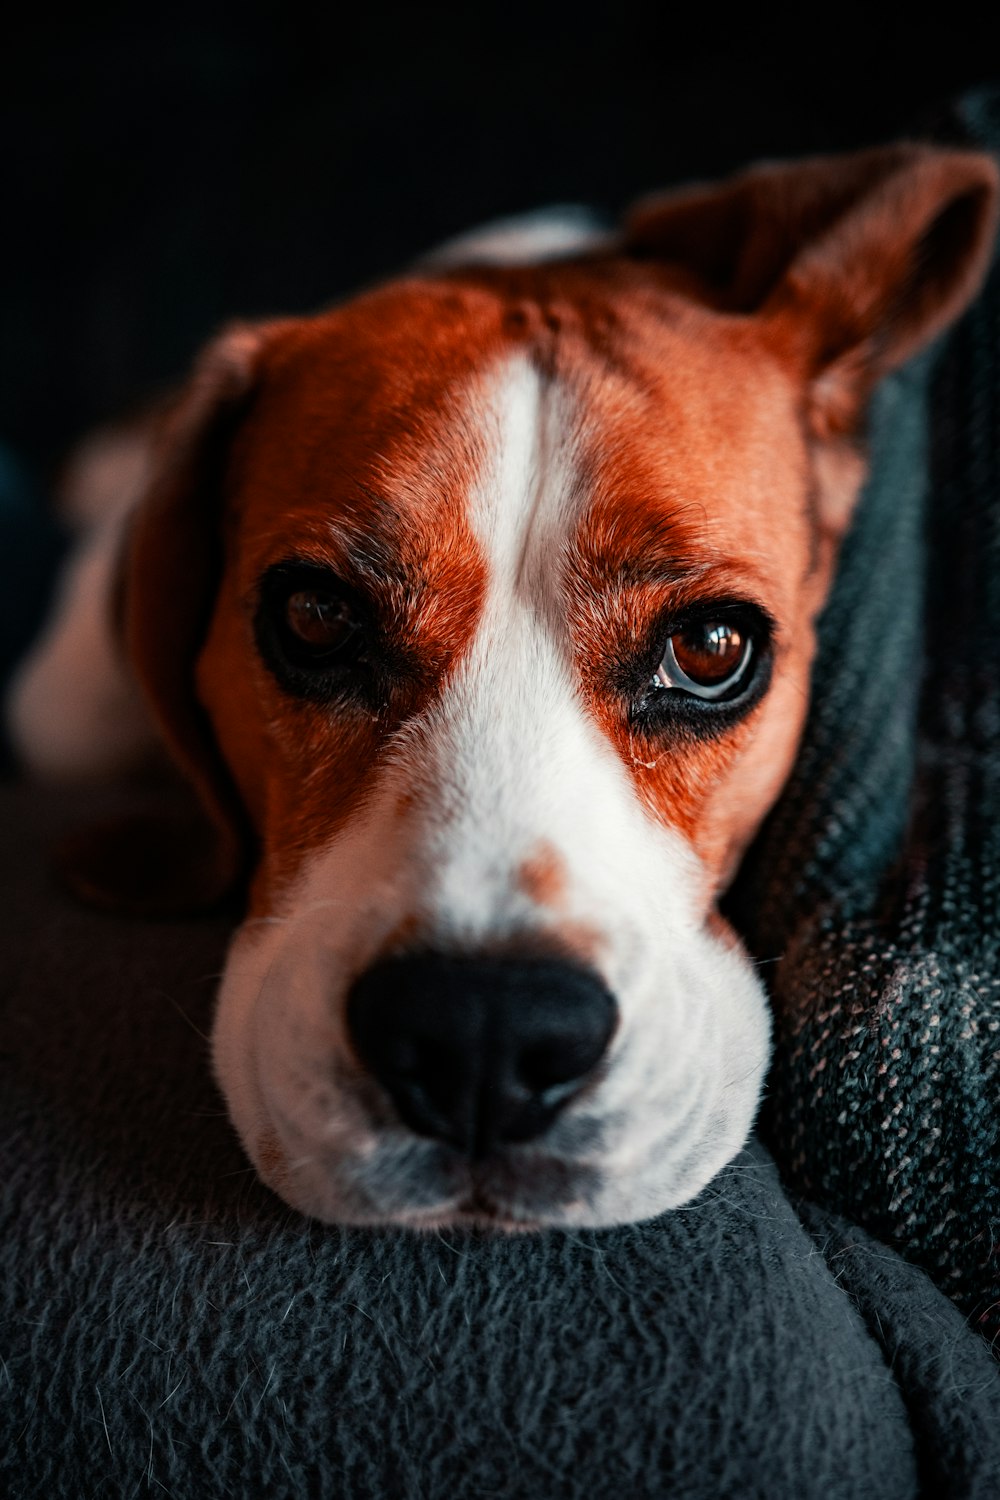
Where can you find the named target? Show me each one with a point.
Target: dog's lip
(469, 1205)
(476, 1211)
(478, 1206)
(474, 1204)
(520, 1189)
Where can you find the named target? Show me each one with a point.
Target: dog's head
(480, 612)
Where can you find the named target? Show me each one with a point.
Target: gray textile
(168, 1326)
(878, 877)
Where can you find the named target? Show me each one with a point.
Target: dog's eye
(313, 631)
(321, 621)
(713, 665)
(708, 658)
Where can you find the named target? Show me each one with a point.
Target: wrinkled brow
(422, 578)
(641, 548)
(374, 540)
(368, 541)
(610, 571)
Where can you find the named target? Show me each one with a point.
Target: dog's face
(507, 655)
(449, 685)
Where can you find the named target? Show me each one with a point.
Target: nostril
(414, 1057)
(545, 1064)
(559, 1060)
(427, 1070)
(551, 1072)
(479, 1051)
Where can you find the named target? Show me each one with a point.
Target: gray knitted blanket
(876, 883)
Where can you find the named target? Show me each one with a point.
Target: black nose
(479, 1051)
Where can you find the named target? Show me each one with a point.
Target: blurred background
(168, 168)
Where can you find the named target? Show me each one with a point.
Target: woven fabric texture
(876, 883)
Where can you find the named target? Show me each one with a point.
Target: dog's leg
(72, 708)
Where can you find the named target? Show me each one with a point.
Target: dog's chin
(421, 1185)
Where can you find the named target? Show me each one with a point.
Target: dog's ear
(855, 261)
(189, 856)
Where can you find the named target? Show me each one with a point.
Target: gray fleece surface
(168, 1326)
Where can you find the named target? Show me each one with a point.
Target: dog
(478, 613)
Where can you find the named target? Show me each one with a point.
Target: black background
(168, 169)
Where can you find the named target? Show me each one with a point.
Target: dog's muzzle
(480, 1052)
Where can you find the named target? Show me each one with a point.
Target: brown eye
(708, 658)
(708, 653)
(320, 620)
(314, 632)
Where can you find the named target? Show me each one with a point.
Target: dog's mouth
(480, 1211)
(478, 1206)
(500, 1193)
(426, 1185)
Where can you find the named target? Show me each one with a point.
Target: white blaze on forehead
(501, 735)
(509, 758)
(522, 507)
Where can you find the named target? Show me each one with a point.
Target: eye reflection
(320, 619)
(708, 659)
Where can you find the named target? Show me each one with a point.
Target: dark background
(167, 170)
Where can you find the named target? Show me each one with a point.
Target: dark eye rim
(302, 670)
(658, 710)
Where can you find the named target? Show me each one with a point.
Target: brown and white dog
(479, 613)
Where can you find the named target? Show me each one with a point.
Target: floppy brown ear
(187, 857)
(856, 261)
